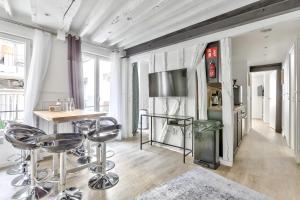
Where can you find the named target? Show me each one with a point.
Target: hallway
(265, 164)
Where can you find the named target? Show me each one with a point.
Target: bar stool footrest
(71, 193)
(97, 169)
(33, 192)
(103, 181)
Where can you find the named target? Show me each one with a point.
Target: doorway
(266, 94)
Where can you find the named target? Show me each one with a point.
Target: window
(96, 76)
(12, 72)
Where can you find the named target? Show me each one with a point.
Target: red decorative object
(212, 70)
(212, 53)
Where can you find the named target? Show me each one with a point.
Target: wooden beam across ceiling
(253, 12)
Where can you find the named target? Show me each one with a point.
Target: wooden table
(62, 117)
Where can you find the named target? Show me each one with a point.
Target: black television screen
(168, 84)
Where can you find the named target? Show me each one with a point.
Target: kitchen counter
(215, 108)
(219, 108)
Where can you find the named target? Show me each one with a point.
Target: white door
(286, 101)
(266, 111)
(272, 115)
(292, 98)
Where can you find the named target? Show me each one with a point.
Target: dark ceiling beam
(269, 67)
(253, 12)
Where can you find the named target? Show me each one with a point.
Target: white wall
(257, 101)
(143, 68)
(169, 58)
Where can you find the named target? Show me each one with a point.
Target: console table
(172, 120)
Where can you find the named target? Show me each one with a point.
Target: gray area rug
(201, 184)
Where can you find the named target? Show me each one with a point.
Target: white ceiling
(259, 48)
(122, 23)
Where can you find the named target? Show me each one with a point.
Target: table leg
(193, 137)
(55, 156)
(184, 142)
(37, 121)
(151, 131)
(141, 131)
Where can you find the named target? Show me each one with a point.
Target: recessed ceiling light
(265, 30)
(47, 14)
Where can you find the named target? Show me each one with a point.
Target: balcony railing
(11, 105)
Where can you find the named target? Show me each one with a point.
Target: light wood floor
(263, 163)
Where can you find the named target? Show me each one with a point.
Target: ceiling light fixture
(265, 30)
(47, 14)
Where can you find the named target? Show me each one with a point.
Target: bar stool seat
(22, 166)
(61, 143)
(25, 139)
(105, 133)
(108, 129)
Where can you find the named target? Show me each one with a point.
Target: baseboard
(226, 162)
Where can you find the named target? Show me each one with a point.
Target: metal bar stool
(22, 167)
(108, 129)
(84, 151)
(25, 139)
(61, 143)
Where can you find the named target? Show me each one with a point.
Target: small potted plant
(2, 125)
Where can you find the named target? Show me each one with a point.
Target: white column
(227, 98)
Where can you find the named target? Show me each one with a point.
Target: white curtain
(115, 105)
(42, 45)
(199, 66)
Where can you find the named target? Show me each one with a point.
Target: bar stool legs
(20, 167)
(97, 168)
(71, 193)
(86, 158)
(102, 180)
(34, 190)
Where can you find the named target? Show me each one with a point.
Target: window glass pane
(12, 64)
(104, 85)
(88, 64)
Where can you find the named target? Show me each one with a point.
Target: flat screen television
(168, 83)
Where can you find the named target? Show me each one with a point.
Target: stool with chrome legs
(107, 129)
(25, 139)
(84, 151)
(61, 143)
(22, 168)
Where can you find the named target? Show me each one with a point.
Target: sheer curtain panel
(41, 51)
(115, 105)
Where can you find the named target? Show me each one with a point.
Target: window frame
(28, 51)
(96, 76)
